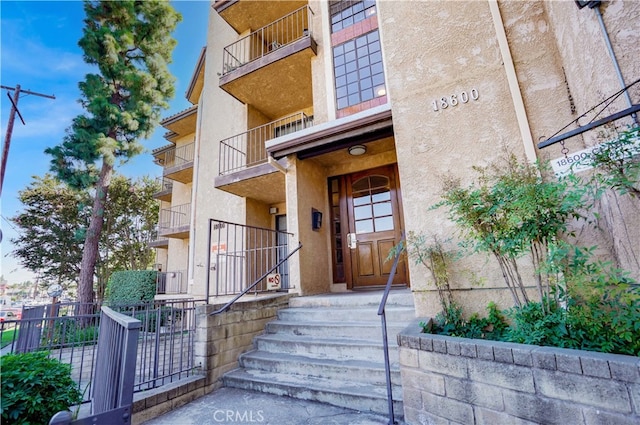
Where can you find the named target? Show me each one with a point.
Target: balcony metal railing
(172, 282)
(248, 149)
(156, 238)
(176, 216)
(166, 185)
(239, 255)
(267, 39)
(175, 157)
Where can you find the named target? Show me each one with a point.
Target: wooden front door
(374, 226)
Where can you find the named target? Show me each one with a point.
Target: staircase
(328, 348)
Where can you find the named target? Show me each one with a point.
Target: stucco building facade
(337, 121)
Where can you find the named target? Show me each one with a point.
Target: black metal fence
(165, 345)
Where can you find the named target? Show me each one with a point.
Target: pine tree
(130, 43)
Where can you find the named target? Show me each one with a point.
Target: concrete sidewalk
(235, 406)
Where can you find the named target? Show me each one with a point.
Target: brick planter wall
(470, 381)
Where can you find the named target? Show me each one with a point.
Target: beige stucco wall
(221, 116)
(592, 78)
(306, 189)
(464, 54)
(451, 59)
(435, 49)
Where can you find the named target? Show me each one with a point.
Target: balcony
(174, 282)
(271, 67)
(157, 241)
(166, 189)
(174, 222)
(244, 15)
(177, 162)
(243, 168)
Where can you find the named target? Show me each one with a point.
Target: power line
(12, 116)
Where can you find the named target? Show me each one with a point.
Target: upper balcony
(166, 189)
(174, 222)
(271, 67)
(158, 241)
(243, 166)
(244, 15)
(177, 162)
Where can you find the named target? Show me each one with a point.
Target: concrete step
(402, 314)
(328, 348)
(397, 297)
(338, 349)
(346, 370)
(351, 330)
(349, 394)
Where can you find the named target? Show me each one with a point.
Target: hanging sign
(576, 162)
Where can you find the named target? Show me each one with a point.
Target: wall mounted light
(316, 219)
(356, 150)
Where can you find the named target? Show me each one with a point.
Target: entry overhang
(369, 125)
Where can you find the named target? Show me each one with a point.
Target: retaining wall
(467, 381)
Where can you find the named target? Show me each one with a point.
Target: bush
(131, 286)
(35, 387)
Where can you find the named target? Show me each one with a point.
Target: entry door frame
(348, 223)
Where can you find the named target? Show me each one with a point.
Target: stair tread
(346, 363)
(351, 387)
(325, 341)
(333, 323)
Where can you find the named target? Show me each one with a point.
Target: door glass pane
(362, 212)
(364, 226)
(382, 196)
(382, 209)
(384, 223)
(361, 199)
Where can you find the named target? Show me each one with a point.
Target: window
(372, 209)
(336, 230)
(348, 12)
(358, 70)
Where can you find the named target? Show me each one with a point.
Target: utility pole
(12, 116)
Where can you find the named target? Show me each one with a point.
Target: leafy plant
(68, 332)
(512, 211)
(35, 387)
(493, 326)
(430, 252)
(617, 163)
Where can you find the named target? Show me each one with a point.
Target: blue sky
(39, 51)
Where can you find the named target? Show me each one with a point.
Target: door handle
(352, 241)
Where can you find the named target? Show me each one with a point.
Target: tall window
(348, 12)
(358, 70)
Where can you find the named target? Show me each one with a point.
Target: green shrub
(131, 286)
(494, 326)
(70, 332)
(35, 387)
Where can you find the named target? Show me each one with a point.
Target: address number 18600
(455, 99)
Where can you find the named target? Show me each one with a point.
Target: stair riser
(369, 376)
(373, 332)
(333, 351)
(364, 404)
(344, 315)
(354, 300)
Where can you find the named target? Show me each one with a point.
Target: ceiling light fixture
(356, 150)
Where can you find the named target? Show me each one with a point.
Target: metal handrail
(228, 305)
(383, 318)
